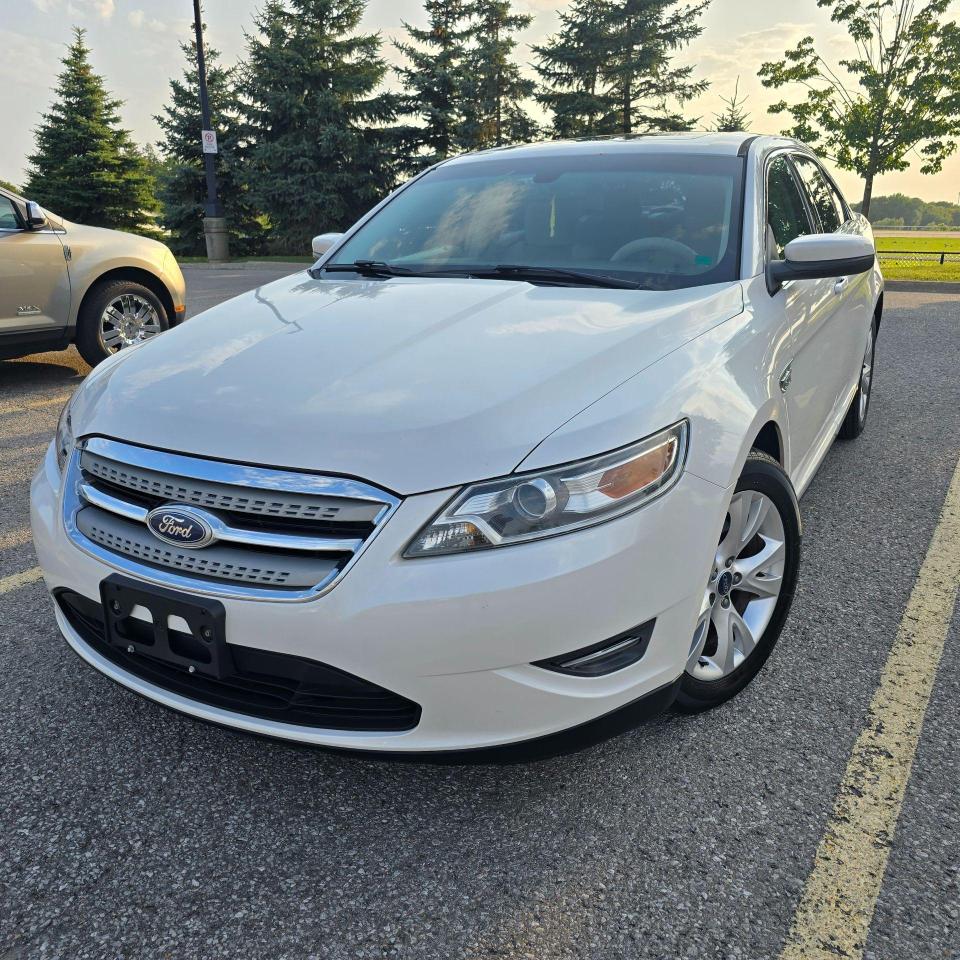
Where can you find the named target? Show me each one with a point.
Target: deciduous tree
(896, 97)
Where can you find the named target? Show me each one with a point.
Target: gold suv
(63, 283)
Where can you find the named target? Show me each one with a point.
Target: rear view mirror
(821, 255)
(323, 242)
(36, 218)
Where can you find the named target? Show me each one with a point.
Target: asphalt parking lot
(130, 832)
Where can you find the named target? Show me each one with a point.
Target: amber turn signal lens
(649, 467)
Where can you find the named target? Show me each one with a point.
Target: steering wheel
(657, 255)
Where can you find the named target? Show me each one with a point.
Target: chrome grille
(278, 535)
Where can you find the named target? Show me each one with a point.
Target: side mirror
(36, 218)
(821, 255)
(324, 242)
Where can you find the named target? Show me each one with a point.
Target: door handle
(838, 287)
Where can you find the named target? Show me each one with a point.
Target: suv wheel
(118, 314)
(750, 587)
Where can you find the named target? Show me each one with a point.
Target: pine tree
(495, 88)
(435, 82)
(86, 167)
(181, 181)
(734, 118)
(569, 66)
(320, 150)
(641, 80)
(609, 70)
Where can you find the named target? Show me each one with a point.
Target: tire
(757, 603)
(856, 418)
(142, 317)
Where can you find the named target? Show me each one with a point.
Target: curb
(922, 286)
(250, 265)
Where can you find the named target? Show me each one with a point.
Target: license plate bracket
(203, 650)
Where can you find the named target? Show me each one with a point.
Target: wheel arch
(769, 440)
(135, 275)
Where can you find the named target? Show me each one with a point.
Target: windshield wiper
(369, 268)
(521, 272)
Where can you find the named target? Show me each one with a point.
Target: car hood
(412, 384)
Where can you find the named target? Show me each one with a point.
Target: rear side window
(8, 216)
(786, 211)
(821, 194)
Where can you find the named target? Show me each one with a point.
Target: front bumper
(458, 635)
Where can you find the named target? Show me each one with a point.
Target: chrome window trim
(219, 472)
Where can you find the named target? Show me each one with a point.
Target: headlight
(549, 502)
(64, 441)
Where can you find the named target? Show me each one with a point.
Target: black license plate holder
(203, 650)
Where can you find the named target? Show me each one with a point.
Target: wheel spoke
(760, 574)
(756, 513)
(112, 339)
(742, 638)
(723, 657)
(700, 633)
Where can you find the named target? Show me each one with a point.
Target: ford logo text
(180, 526)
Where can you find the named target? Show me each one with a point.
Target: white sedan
(517, 460)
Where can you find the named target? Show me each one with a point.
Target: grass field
(928, 270)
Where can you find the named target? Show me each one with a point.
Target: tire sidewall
(764, 475)
(88, 323)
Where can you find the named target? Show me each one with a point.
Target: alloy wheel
(743, 588)
(128, 319)
(866, 374)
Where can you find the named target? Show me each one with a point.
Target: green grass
(925, 270)
(920, 242)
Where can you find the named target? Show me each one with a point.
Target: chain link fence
(919, 256)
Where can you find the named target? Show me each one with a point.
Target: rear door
(34, 281)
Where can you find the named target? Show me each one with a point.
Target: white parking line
(834, 914)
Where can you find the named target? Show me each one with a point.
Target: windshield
(661, 220)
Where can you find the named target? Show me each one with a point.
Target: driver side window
(8, 215)
(786, 211)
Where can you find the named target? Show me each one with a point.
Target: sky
(134, 46)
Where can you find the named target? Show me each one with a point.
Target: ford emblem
(180, 527)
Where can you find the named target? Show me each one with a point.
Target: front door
(34, 281)
(812, 381)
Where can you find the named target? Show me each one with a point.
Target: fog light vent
(605, 657)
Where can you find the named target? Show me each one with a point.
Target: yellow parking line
(20, 406)
(18, 580)
(836, 908)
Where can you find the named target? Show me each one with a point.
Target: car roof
(704, 143)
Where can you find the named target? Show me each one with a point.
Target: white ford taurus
(518, 458)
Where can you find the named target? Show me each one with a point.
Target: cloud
(104, 9)
(138, 19)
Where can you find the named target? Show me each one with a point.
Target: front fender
(725, 382)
